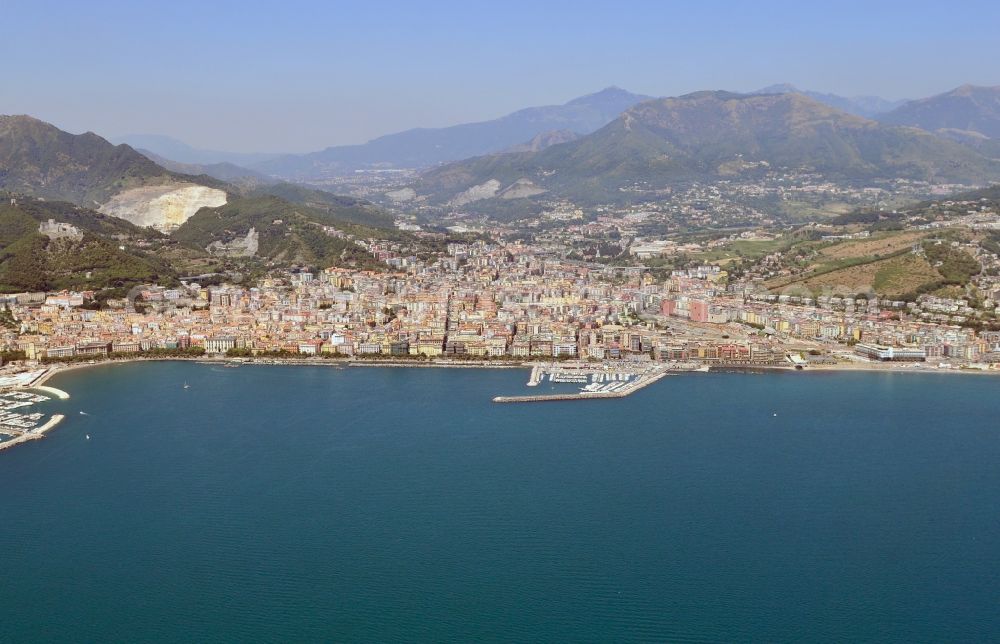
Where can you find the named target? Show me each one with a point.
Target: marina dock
(599, 381)
(631, 387)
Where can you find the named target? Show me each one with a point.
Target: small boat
(88, 437)
(187, 386)
(83, 413)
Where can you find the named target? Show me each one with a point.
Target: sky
(295, 76)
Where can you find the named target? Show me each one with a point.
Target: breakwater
(33, 434)
(58, 393)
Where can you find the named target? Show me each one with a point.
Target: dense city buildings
(495, 300)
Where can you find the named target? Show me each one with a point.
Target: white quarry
(521, 189)
(239, 247)
(402, 195)
(486, 190)
(163, 207)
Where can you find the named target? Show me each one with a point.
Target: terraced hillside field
(892, 277)
(883, 264)
(883, 245)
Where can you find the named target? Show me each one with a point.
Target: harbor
(18, 393)
(17, 425)
(604, 380)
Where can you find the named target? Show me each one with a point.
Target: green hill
(91, 259)
(83, 218)
(288, 233)
(339, 207)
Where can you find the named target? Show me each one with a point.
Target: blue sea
(289, 504)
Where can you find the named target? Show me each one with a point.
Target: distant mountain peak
(779, 88)
(16, 118)
(969, 89)
(716, 94)
(866, 106)
(610, 92)
(178, 151)
(968, 108)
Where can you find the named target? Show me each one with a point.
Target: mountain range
(968, 114)
(589, 145)
(425, 147)
(705, 135)
(417, 148)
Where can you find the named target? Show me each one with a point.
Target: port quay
(599, 381)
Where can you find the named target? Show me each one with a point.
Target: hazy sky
(298, 76)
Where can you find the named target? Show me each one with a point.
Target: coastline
(852, 367)
(874, 367)
(879, 367)
(59, 368)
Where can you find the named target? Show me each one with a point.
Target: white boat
(187, 386)
(88, 437)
